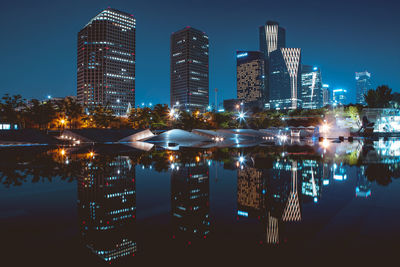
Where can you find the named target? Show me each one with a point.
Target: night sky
(38, 41)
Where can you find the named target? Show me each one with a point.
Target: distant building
(272, 38)
(326, 95)
(339, 97)
(189, 69)
(363, 84)
(250, 76)
(312, 94)
(106, 61)
(285, 78)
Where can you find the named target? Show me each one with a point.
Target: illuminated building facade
(189, 70)
(311, 87)
(285, 78)
(339, 97)
(190, 200)
(107, 207)
(106, 62)
(272, 38)
(326, 95)
(363, 84)
(250, 76)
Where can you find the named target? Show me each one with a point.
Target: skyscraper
(189, 69)
(106, 61)
(363, 84)
(285, 80)
(272, 38)
(339, 97)
(326, 95)
(311, 85)
(250, 73)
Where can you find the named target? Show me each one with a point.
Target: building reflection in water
(107, 206)
(190, 200)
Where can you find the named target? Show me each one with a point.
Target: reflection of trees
(379, 173)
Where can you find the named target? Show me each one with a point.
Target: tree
(41, 113)
(102, 116)
(71, 111)
(379, 98)
(10, 109)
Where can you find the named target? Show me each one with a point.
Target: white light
(241, 159)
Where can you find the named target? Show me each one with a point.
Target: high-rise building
(339, 97)
(272, 38)
(250, 76)
(326, 95)
(285, 79)
(363, 84)
(311, 85)
(189, 69)
(106, 61)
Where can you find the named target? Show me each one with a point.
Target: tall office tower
(285, 79)
(311, 87)
(326, 95)
(339, 97)
(272, 38)
(363, 83)
(189, 69)
(250, 70)
(107, 206)
(106, 62)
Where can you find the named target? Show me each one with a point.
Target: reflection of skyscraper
(363, 188)
(251, 191)
(106, 61)
(190, 200)
(311, 175)
(107, 207)
(292, 210)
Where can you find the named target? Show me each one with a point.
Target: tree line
(69, 113)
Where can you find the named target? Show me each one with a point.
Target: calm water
(113, 204)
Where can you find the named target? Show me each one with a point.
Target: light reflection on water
(133, 204)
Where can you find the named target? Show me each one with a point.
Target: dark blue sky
(38, 40)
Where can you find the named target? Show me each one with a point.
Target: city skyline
(56, 49)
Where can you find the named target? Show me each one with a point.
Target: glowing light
(242, 55)
(197, 159)
(62, 121)
(171, 158)
(325, 128)
(325, 143)
(62, 152)
(241, 159)
(243, 213)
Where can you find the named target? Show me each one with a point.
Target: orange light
(198, 159)
(62, 152)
